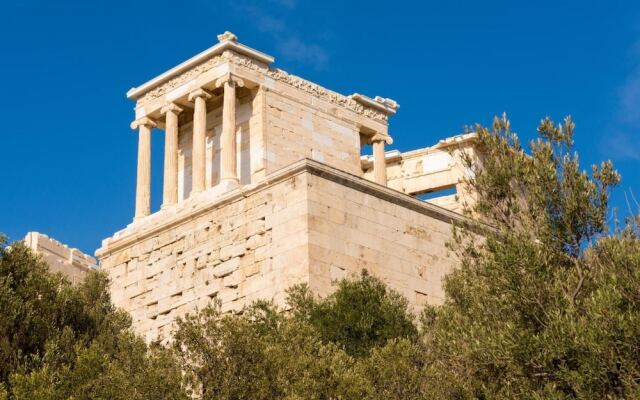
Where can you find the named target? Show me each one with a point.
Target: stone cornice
(194, 207)
(458, 140)
(386, 106)
(390, 156)
(175, 81)
(309, 87)
(376, 110)
(228, 42)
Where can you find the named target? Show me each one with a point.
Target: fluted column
(170, 182)
(198, 157)
(228, 167)
(379, 162)
(143, 183)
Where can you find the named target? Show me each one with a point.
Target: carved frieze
(274, 73)
(180, 79)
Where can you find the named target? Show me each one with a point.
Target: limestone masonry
(265, 186)
(70, 262)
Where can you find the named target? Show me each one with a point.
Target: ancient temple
(265, 185)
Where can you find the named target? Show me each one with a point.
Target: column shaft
(379, 163)
(170, 188)
(198, 157)
(143, 186)
(228, 138)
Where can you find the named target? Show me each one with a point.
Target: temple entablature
(200, 71)
(230, 57)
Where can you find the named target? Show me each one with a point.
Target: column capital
(379, 160)
(173, 107)
(231, 79)
(144, 121)
(205, 94)
(379, 137)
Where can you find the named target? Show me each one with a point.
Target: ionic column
(198, 157)
(379, 162)
(143, 184)
(228, 168)
(170, 183)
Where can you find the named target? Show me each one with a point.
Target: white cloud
(623, 145)
(271, 18)
(294, 49)
(291, 4)
(623, 139)
(629, 100)
(269, 24)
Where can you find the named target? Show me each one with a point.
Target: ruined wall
(396, 238)
(72, 263)
(299, 126)
(435, 170)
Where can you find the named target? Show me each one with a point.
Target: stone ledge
(217, 49)
(205, 202)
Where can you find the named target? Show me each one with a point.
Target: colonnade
(228, 168)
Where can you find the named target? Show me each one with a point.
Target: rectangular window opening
(449, 191)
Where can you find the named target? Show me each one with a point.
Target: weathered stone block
(226, 268)
(232, 250)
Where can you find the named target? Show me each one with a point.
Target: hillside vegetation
(545, 304)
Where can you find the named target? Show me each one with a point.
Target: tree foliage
(360, 315)
(546, 304)
(59, 341)
(355, 344)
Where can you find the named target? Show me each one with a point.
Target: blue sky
(67, 155)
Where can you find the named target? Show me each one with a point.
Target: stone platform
(306, 223)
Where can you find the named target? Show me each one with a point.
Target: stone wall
(304, 223)
(72, 263)
(297, 128)
(352, 228)
(249, 245)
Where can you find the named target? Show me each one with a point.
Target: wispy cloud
(294, 49)
(270, 18)
(269, 24)
(623, 139)
(291, 4)
(623, 144)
